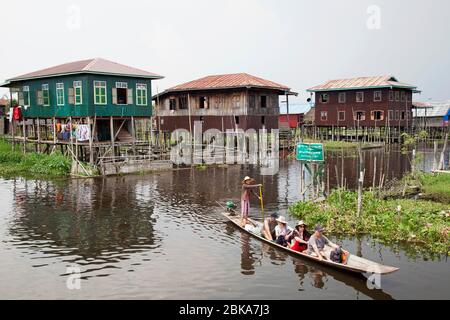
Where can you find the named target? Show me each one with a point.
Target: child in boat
(299, 237)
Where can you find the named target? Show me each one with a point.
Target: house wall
(350, 107)
(87, 108)
(222, 112)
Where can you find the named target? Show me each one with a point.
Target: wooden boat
(354, 263)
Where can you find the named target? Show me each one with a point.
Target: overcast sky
(294, 42)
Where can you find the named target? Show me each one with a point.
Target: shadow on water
(317, 273)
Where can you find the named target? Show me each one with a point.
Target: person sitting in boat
(270, 224)
(317, 243)
(248, 188)
(299, 237)
(282, 232)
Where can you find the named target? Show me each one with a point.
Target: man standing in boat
(248, 188)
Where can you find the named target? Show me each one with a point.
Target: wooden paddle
(262, 201)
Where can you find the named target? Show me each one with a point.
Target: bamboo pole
(374, 173)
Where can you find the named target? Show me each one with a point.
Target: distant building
(431, 114)
(221, 102)
(295, 121)
(310, 116)
(363, 102)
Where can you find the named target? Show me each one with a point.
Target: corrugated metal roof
(228, 81)
(97, 65)
(436, 109)
(360, 83)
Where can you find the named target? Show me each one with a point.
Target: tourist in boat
(299, 237)
(270, 224)
(317, 243)
(248, 188)
(282, 232)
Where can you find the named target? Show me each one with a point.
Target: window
(324, 98)
(263, 102)
(341, 116)
(121, 91)
(396, 115)
(78, 92)
(26, 95)
(100, 92)
(141, 94)
(172, 104)
(391, 95)
(377, 115)
(342, 97)
(236, 120)
(218, 102)
(397, 95)
(391, 115)
(377, 95)
(360, 116)
(183, 103)
(237, 101)
(60, 94)
(403, 115)
(45, 95)
(360, 97)
(403, 96)
(263, 120)
(203, 103)
(323, 116)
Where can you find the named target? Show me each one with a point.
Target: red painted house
(363, 102)
(295, 120)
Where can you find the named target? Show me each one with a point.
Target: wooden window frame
(321, 98)
(397, 95)
(45, 89)
(174, 107)
(391, 95)
(342, 94)
(403, 96)
(236, 101)
(323, 113)
(391, 115)
(373, 115)
(362, 94)
(375, 99)
(101, 85)
(363, 113)
(141, 94)
(78, 85)
(59, 91)
(339, 115)
(27, 100)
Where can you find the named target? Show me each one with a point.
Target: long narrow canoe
(354, 263)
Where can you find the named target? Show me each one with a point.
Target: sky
(294, 42)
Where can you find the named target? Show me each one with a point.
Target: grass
(423, 224)
(435, 186)
(32, 164)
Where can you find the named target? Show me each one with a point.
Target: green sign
(310, 152)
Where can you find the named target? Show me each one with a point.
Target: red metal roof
(226, 81)
(97, 65)
(359, 83)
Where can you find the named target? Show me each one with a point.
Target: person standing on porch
(248, 188)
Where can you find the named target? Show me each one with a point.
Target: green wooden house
(87, 88)
(105, 95)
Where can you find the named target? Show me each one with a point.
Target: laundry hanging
(83, 132)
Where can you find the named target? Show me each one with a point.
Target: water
(161, 236)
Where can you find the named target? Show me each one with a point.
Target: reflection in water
(90, 223)
(161, 236)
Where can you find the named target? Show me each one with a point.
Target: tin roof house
(222, 102)
(101, 96)
(363, 102)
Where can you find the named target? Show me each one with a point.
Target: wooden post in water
(24, 128)
(444, 149)
(374, 173)
(435, 164)
(111, 127)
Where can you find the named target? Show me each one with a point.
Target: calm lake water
(161, 236)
